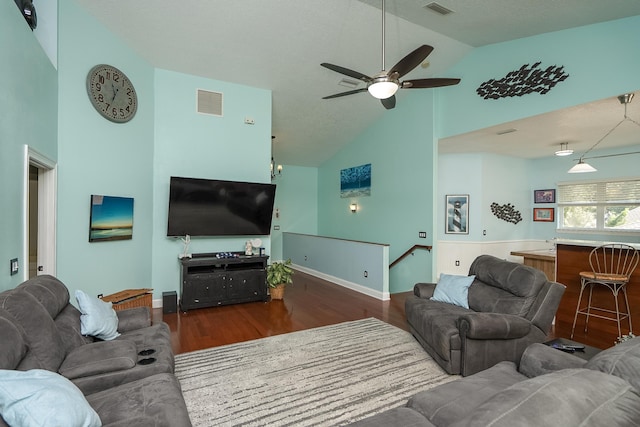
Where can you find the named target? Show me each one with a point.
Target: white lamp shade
(382, 90)
(582, 167)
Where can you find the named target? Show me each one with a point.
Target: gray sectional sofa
(127, 381)
(547, 388)
(510, 306)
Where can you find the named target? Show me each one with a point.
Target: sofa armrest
(491, 326)
(424, 290)
(133, 318)
(540, 359)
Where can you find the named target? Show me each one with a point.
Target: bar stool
(611, 266)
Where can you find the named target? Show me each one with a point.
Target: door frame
(47, 199)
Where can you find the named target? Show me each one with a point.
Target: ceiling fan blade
(428, 83)
(351, 92)
(411, 61)
(346, 72)
(389, 103)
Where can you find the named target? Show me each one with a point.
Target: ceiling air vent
(439, 9)
(209, 102)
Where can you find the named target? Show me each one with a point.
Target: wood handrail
(410, 251)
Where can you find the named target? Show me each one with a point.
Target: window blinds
(605, 192)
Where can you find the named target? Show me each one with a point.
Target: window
(602, 206)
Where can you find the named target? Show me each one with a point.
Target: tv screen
(205, 207)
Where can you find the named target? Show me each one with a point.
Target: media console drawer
(208, 281)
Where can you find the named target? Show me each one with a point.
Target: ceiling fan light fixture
(582, 167)
(382, 88)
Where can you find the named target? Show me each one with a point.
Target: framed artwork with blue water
(111, 218)
(355, 181)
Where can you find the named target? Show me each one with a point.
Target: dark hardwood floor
(309, 303)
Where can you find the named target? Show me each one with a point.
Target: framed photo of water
(355, 181)
(111, 218)
(457, 214)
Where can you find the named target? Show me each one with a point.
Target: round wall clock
(112, 93)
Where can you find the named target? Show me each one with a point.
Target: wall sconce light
(353, 207)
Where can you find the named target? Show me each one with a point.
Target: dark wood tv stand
(208, 281)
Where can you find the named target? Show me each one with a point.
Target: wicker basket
(130, 298)
(277, 292)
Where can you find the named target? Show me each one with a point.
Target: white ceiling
(540, 136)
(279, 45)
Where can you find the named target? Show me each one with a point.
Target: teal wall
(97, 156)
(297, 205)
(486, 178)
(401, 146)
(28, 116)
(400, 150)
(190, 144)
(599, 59)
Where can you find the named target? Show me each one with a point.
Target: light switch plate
(14, 267)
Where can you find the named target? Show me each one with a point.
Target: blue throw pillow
(40, 398)
(453, 289)
(98, 318)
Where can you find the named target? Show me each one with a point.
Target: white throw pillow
(453, 289)
(40, 398)
(98, 318)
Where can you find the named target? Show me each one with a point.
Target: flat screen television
(206, 207)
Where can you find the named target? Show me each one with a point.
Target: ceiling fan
(385, 84)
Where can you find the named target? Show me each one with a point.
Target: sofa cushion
(13, 347)
(157, 398)
(453, 289)
(571, 397)
(42, 398)
(503, 286)
(49, 291)
(99, 358)
(68, 326)
(621, 360)
(452, 401)
(46, 349)
(98, 318)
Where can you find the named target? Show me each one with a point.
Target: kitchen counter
(542, 259)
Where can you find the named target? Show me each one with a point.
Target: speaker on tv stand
(169, 302)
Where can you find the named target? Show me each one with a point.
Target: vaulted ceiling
(279, 45)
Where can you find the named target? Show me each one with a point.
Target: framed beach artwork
(543, 214)
(355, 181)
(111, 218)
(544, 196)
(457, 214)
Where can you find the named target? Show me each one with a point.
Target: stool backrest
(615, 259)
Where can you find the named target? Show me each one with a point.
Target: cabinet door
(247, 285)
(204, 289)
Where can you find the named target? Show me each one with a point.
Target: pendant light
(583, 166)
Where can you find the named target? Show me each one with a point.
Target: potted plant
(278, 276)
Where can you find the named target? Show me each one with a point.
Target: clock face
(112, 93)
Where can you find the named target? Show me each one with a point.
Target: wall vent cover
(209, 103)
(438, 8)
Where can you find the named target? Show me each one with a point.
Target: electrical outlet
(249, 121)
(422, 234)
(457, 263)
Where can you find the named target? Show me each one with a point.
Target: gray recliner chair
(510, 307)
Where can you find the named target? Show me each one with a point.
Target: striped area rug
(325, 376)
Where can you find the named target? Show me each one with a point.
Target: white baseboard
(156, 303)
(384, 296)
